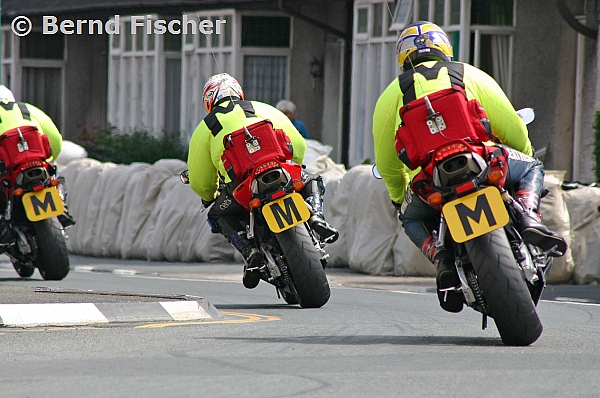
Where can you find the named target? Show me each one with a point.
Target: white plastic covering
(143, 211)
(70, 151)
(584, 209)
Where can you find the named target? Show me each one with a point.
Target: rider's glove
(398, 207)
(207, 204)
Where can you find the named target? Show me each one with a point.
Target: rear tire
(306, 270)
(504, 289)
(52, 257)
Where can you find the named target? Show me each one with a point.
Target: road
(377, 336)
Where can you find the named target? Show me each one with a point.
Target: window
(265, 77)
(204, 56)
(143, 88)
(265, 53)
(33, 68)
(483, 38)
(260, 31)
(374, 66)
(492, 12)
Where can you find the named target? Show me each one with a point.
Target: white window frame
(265, 51)
(466, 29)
(383, 70)
(192, 107)
(17, 64)
(150, 100)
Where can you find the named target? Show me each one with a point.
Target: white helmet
(6, 94)
(218, 87)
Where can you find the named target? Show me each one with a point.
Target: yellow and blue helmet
(423, 41)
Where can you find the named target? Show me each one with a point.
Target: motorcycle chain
(479, 299)
(283, 268)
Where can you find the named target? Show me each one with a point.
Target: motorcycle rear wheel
(52, 257)
(504, 289)
(304, 263)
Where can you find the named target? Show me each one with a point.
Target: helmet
(423, 41)
(6, 94)
(218, 87)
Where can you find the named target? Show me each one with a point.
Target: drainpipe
(579, 71)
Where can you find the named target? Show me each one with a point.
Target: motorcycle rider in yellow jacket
(424, 52)
(15, 114)
(228, 111)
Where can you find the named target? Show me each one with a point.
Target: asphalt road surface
(377, 336)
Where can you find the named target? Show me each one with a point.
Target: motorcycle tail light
(435, 199)
(449, 150)
(255, 203)
(495, 176)
(265, 166)
(32, 163)
(19, 192)
(298, 185)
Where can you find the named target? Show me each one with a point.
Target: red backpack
(438, 118)
(252, 146)
(23, 144)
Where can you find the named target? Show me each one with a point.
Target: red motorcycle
(30, 202)
(294, 256)
(500, 275)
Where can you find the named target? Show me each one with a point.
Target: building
(82, 64)
(331, 57)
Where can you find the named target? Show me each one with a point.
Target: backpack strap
(212, 122)
(456, 72)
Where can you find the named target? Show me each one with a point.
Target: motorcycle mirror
(184, 177)
(527, 114)
(376, 172)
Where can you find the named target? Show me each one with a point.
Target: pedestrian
(289, 108)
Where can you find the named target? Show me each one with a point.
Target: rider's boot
(7, 237)
(66, 219)
(313, 195)
(252, 258)
(320, 226)
(447, 277)
(531, 227)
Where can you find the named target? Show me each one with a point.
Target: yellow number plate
(286, 212)
(475, 214)
(43, 204)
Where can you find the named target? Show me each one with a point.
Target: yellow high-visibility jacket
(18, 114)
(507, 126)
(206, 145)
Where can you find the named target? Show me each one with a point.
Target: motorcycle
(30, 202)
(500, 275)
(294, 256)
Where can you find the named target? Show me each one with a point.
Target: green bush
(109, 145)
(597, 144)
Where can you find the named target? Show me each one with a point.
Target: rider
(425, 59)
(228, 111)
(15, 114)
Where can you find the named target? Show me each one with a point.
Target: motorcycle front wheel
(504, 289)
(304, 263)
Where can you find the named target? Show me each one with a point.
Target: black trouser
(226, 214)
